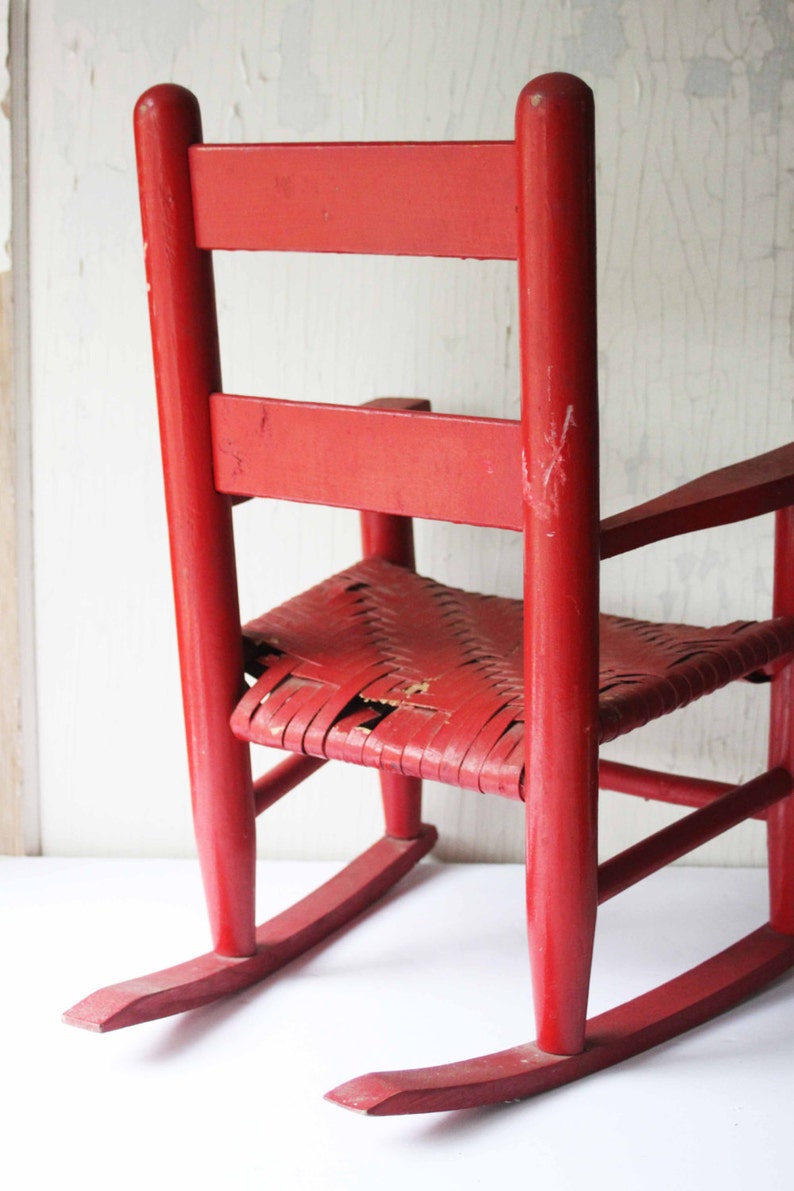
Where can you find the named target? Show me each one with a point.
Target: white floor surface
(230, 1096)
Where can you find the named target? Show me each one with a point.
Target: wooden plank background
(11, 841)
(11, 745)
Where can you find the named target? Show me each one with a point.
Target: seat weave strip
(386, 668)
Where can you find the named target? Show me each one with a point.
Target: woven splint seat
(383, 667)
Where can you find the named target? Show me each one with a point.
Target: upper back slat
(453, 199)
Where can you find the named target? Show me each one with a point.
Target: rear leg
(391, 537)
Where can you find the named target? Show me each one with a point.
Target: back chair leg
(390, 537)
(780, 818)
(187, 370)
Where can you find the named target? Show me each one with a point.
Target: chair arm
(420, 403)
(735, 493)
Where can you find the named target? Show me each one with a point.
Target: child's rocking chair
(381, 667)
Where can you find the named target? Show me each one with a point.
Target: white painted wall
(695, 117)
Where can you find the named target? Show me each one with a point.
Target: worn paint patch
(601, 39)
(709, 78)
(161, 30)
(554, 474)
(777, 66)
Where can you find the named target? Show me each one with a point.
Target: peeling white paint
(777, 65)
(600, 39)
(709, 78)
(554, 470)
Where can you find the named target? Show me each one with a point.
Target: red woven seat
(380, 667)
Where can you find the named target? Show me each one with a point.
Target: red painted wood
(399, 199)
(661, 787)
(676, 840)
(744, 490)
(780, 820)
(282, 778)
(669, 1010)
(675, 788)
(443, 466)
(187, 369)
(734, 493)
(557, 294)
(291, 933)
(383, 667)
(385, 535)
(391, 538)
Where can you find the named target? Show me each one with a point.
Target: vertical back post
(187, 370)
(557, 301)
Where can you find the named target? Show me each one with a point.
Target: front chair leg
(402, 805)
(562, 900)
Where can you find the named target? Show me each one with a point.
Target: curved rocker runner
(285, 937)
(638, 1025)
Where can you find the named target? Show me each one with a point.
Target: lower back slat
(443, 467)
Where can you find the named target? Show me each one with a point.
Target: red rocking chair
(381, 667)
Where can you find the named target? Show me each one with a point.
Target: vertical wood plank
(11, 837)
(19, 818)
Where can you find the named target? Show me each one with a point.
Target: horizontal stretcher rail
(678, 789)
(282, 778)
(399, 200)
(695, 829)
(445, 467)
